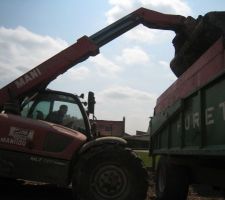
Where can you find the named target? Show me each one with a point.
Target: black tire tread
(176, 186)
(125, 154)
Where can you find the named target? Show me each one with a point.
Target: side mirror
(91, 102)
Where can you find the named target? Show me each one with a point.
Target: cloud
(144, 35)
(118, 101)
(80, 73)
(122, 93)
(21, 50)
(121, 8)
(105, 67)
(141, 34)
(134, 55)
(171, 7)
(118, 9)
(169, 75)
(164, 64)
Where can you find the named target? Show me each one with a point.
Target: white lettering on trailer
(196, 120)
(22, 81)
(193, 120)
(209, 116)
(187, 122)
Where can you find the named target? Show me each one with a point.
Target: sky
(129, 73)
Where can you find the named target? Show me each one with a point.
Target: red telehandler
(34, 149)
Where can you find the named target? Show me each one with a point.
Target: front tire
(109, 172)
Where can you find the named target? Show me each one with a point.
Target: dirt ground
(34, 192)
(192, 195)
(28, 191)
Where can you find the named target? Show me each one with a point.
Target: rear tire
(171, 181)
(109, 172)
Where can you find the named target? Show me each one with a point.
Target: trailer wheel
(171, 181)
(109, 172)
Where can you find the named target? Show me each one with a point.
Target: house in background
(110, 128)
(117, 128)
(138, 141)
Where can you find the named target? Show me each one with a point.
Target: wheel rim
(109, 182)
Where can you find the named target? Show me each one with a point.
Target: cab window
(48, 108)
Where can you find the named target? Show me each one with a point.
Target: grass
(144, 156)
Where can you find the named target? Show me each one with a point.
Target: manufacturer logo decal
(18, 136)
(26, 78)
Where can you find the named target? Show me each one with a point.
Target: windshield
(56, 108)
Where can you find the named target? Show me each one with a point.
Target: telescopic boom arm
(39, 77)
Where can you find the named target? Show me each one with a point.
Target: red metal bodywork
(20, 140)
(157, 20)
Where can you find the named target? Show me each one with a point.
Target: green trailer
(188, 126)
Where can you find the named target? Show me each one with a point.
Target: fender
(101, 141)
